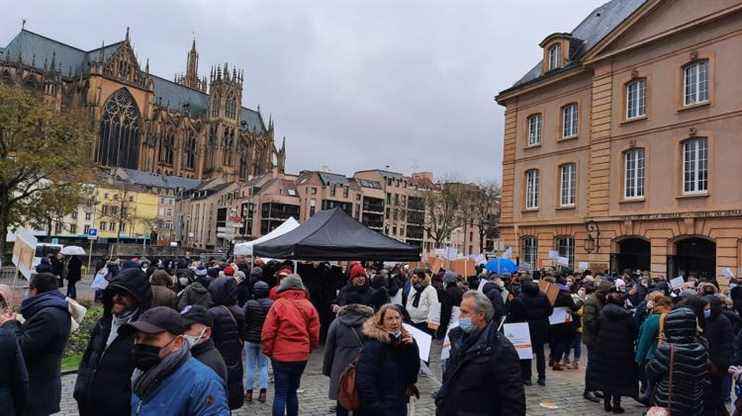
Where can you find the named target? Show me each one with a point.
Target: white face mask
(194, 340)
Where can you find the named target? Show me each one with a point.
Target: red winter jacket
(291, 329)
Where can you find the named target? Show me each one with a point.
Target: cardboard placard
(550, 290)
(463, 267)
(560, 315)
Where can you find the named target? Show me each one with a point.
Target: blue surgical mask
(707, 313)
(466, 325)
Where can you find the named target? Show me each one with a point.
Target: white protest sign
(434, 316)
(520, 337)
(727, 272)
(482, 282)
(582, 266)
(562, 261)
(677, 282)
(553, 254)
(453, 323)
(559, 316)
(422, 339)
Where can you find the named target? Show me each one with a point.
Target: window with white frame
(696, 83)
(570, 120)
(532, 186)
(566, 248)
(535, 124)
(529, 250)
(636, 99)
(568, 182)
(634, 174)
(695, 166)
(555, 56)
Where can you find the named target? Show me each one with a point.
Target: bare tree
(443, 211)
(484, 208)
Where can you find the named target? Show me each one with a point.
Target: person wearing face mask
(42, 337)
(104, 377)
(479, 351)
(533, 307)
(198, 334)
(166, 375)
(388, 365)
(421, 298)
(718, 332)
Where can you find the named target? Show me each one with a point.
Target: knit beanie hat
(357, 270)
(292, 281)
(229, 271)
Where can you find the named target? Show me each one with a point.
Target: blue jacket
(192, 390)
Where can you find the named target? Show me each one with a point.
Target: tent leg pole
(296, 266)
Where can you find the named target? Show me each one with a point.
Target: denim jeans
(255, 362)
(576, 346)
(71, 290)
(287, 377)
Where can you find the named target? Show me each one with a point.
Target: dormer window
(555, 56)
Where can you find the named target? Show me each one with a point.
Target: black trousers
(525, 365)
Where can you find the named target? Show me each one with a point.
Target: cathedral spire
(127, 34)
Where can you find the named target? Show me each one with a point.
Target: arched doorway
(693, 256)
(632, 253)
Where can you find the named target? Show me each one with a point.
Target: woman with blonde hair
(657, 305)
(388, 365)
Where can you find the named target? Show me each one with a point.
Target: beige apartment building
(622, 146)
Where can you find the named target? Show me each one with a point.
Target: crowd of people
(199, 337)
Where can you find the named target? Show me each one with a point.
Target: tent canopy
(246, 248)
(333, 235)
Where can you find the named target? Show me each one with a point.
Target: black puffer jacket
(350, 294)
(689, 371)
(384, 372)
(533, 307)
(13, 374)
(255, 312)
(104, 378)
(485, 355)
(719, 335)
(228, 330)
(568, 329)
(613, 369)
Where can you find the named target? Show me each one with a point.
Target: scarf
(416, 297)
(144, 383)
(116, 322)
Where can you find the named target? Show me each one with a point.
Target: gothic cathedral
(193, 127)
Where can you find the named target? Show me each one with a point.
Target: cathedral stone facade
(193, 127)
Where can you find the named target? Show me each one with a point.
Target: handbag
(347, 389)
(665, 411)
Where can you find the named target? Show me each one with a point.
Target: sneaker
(248, 396)
(262, 397)
(618, 409)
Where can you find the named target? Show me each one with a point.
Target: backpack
(347, 389)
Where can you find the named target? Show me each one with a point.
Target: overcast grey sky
(351, 84)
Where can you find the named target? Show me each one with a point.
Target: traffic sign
(92, 233)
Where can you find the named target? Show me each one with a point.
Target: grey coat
(343, 344)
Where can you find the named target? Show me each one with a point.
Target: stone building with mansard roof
(192, 127)
(621, 146)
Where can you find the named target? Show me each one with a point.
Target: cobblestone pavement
(563, 390)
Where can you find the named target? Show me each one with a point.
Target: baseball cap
(157, 320)
(196, 314)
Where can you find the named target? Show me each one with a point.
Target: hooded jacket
(344, 342)
(384, 371)
(591, 313)
(533, 307)
(350, 294)
(255, 312)
(228, 335)
(195, 294)
(43, 337)
(291, 329)
(103, 384)
(689, 372)
(613, 369)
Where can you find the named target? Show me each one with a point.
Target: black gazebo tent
(333, 235)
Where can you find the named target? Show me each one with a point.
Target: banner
(520, 336)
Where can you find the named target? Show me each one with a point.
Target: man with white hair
(479, 351)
